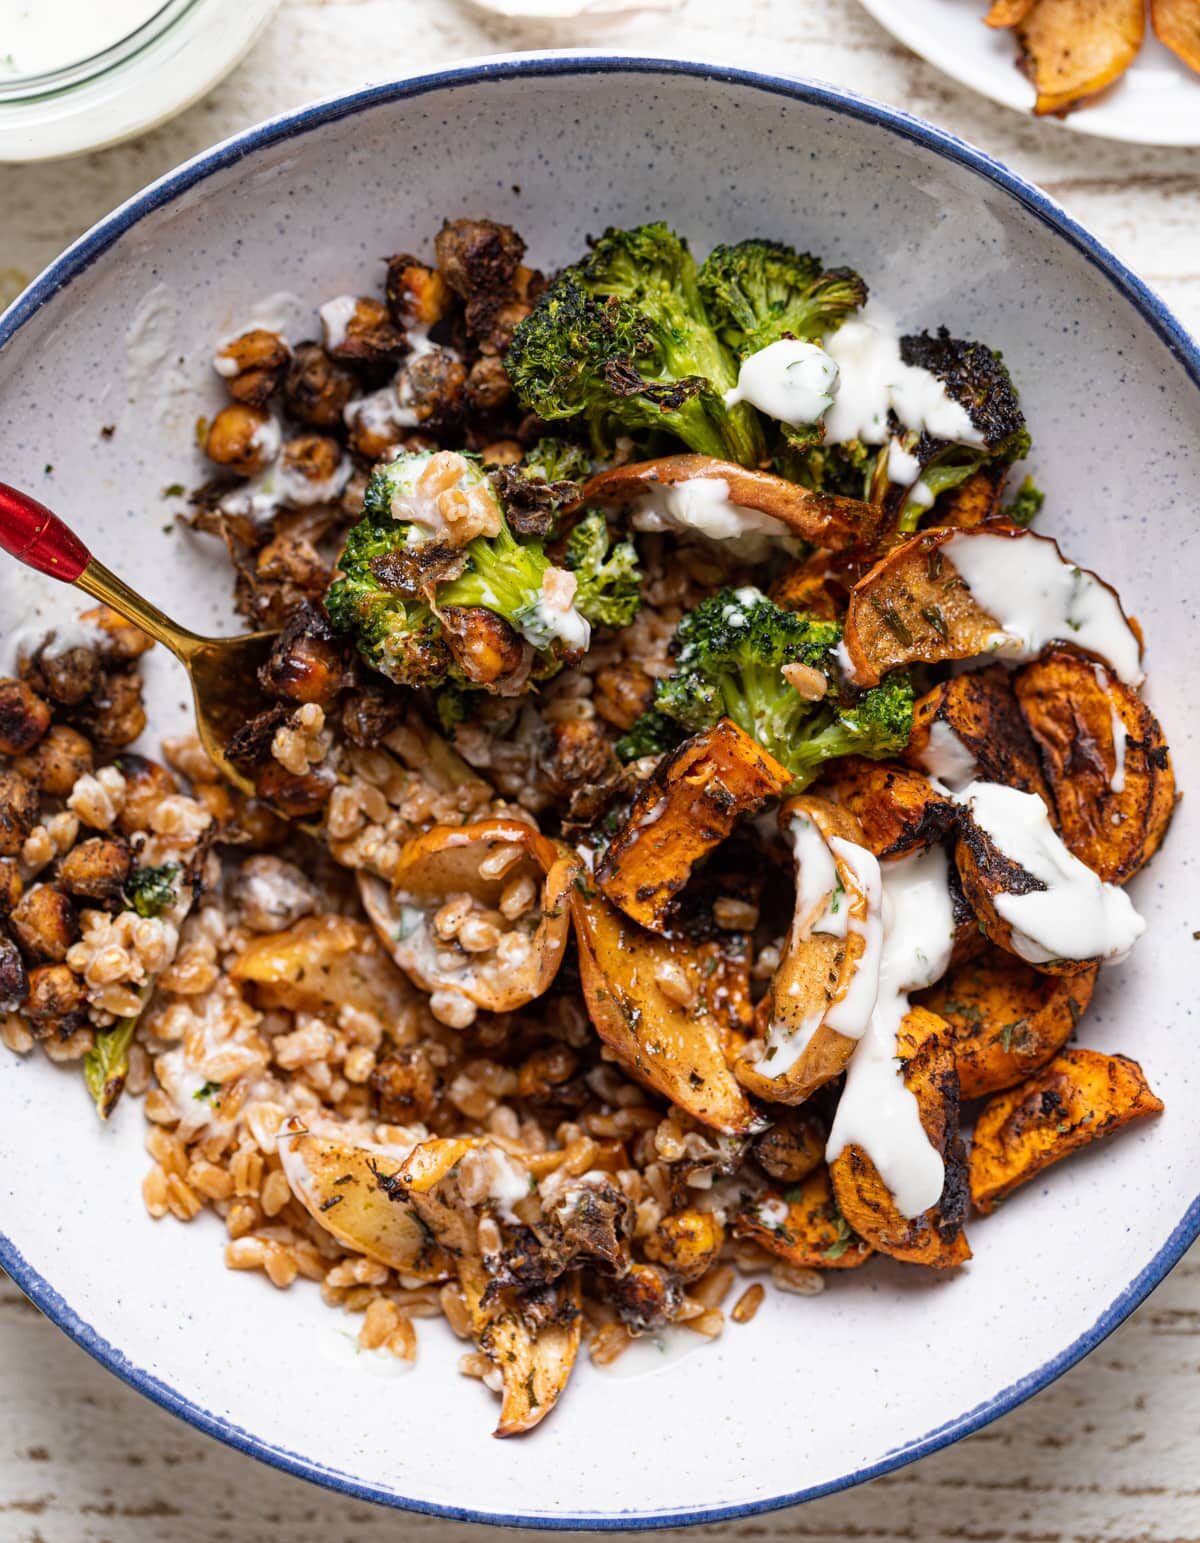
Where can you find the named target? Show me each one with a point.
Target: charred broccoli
(760, 291)
(151, 890)
(623, 341)
(730, 653)
(1027, 504)
(607, 575)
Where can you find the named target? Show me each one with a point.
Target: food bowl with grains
(688, 865)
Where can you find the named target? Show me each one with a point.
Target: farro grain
(710, 1323)
(454, 1307)
(801, 1282)
(182, 1200)
(748, 1303)
(379, 1321)
(154, 1192)
(713, 1288)
(275, 1192)
(608, 1342)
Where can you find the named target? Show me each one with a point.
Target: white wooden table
(1109, 1454)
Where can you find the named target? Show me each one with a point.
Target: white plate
(889, 1363)
(1156, 102)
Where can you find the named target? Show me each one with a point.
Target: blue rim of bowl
(77, 258)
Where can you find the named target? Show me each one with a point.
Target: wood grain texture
(1111, 1452)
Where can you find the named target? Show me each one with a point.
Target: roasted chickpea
(314, 459)
(252, 365)
(306, 664)
(19, 811)
(317, 388)
(57, 1000)
(488, 386)
(115, 716)
(146, 785)
(545, 1070)
(44, 924)
(12, 886)
(417, 295)
(218, 799)
(24, 717)
(96, 869)
(371, 712)
(365, 333)
(295, 797)
(68, 678)
(646, 1298)
(407, 1083)
(792, 1149)
(243, 438)
(58, 762)
(14, 982)
(503, 452)
(623, 693)
(434, 386)
(478, 255)
(486, 647)
(687, 1242)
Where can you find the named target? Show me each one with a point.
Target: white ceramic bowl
(888, 1363)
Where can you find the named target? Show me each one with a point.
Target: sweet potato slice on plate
(1007, 13)
(803, 1226)
(975, 501)
(800, 1050)
(1006, 1018)
(1106, 761)
(1079, 1097)
(694, 799)
(825, 519)
(1176, 23)
(971, 727)
(326, 962)
(936, 1237)
(646, 996)
(898, 809)
(1071, 49)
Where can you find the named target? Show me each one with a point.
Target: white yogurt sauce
(850, 1015)
(1077, 915)
(947, 760)
(555, 614)
(788, 380)
(876, 1111)
(54, 638)
(1120, 736)
(903, 467)
(873, 380)
(508, 1182)
(336, 315)
(703, 505)
(1038, 597)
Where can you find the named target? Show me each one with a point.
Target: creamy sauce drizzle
(947, 760)
(1120, 736)
(703, 505)
(788, 380)
(1037, 597)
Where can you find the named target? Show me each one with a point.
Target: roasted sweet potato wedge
(1106, 761)
(1071, 49)
(327, 962)
(694, 799)
(935, 1238)
(976, 501)
(803, 1225)
(810, 585)
(1177, 24)
(1007, 13)
(914, 606)
(971, 727)
(670, 1040)
(825, 519)
(1079, 1097)
(345, 1190)
(897, 808)
(800, 1050)
(1006, 1018)
(474, 866)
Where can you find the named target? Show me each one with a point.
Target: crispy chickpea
(146, 785)
(316, 388)
(646, 1298)
(312, 458)
(306, 664)
(623, 693)
(503, 452)
(255, 824)
(58, 762)
(219, 801)
(488, 386)
(371, 712)
(407, 1084)
(294, 796)
(19, 810)
(478, 255)
(252, 365)
(435, 387)
(486, 647)
(57, 1000)
(243, 438)
(687, 1242)
(24, 717)
(96, 869)
(545, 1070)
(12, 885)
(115, 716)
(792, 1149)
(69, 677)
(417, 295)
(44, 924)
(14, 982)
(367, 335)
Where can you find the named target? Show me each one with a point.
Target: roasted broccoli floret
(1027, 504)
(979, 381)
(730, 654)
(150, 891)
(651, 734)
(396, 634)
(622, 340)
(608, 577)
(557, 460)
(760, 291)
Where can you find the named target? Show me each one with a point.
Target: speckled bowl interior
(889, 1362)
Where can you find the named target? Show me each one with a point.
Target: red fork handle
(35, 536)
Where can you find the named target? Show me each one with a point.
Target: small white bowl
(888, 1363)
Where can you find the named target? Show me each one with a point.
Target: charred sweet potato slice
(694, 799)
(1106, 761)
(935, 1238)
(812, 585)
(975, 501)
(451, 923)
(898, 809)
(803, 1226)
(1071, 49)
(1079, 1097)
(970, 727)
(1006, 1018)
(646, 996)
(1176, 23)
(326, 962)
(825, 519)
(346, 1191)
(802, 1051)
